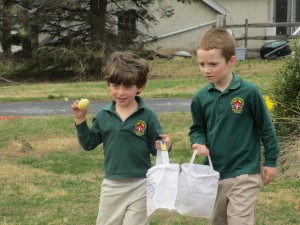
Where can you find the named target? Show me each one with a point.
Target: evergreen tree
(78, 34)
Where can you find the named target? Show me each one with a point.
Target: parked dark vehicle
(275, 49)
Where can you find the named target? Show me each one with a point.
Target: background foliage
(74, 36)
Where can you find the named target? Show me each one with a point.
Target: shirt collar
(234, 84)
(111, 107)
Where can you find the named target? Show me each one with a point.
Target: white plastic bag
(162, 183)
(197, 189)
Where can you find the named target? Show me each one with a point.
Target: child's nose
(121, 90)
(205, 69)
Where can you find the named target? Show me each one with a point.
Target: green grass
(177, 78)
(47, 178)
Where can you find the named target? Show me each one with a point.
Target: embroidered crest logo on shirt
(140, 128)
(237, 104)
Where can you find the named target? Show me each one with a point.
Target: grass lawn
(46, 177)
(178, 78)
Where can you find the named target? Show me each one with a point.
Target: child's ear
(139, 91)
(232, 60)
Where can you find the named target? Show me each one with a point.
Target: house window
(286, 11)
(127, 22)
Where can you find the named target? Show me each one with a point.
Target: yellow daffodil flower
(269, 102)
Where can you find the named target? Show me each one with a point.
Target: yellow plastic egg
(83, 104)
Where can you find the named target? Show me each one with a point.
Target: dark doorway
(281, 15)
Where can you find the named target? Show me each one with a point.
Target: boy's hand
(268, 174)
(78, 113)
(166, 139)
(201, 149)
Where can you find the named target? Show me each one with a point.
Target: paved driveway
(60, 108)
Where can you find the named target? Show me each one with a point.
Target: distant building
(190, 21)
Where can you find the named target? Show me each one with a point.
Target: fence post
(246, 33)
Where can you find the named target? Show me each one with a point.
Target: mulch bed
(8, 117)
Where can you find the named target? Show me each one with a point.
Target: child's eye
(115, 85)
(128, 86)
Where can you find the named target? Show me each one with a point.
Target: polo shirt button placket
(219, 104)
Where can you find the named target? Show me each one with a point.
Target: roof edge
(216, 6)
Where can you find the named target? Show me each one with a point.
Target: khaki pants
(236, 200)
(123, 202)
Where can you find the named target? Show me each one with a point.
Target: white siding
(256, 11)
(185, 16)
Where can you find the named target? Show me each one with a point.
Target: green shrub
(286, 93)
(61, 63)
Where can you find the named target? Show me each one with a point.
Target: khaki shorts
(236, 200)
(123, 202)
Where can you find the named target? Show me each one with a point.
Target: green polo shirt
(233, 124)
(127, 145)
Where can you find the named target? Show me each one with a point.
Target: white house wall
(256, 11)
(185, 17)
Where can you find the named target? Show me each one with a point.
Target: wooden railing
(246, 37)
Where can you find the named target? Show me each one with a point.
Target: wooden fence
(247, 26)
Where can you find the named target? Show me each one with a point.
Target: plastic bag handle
(209, 160)
(162, 157)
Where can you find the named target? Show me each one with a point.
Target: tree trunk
(5, 29)
(97, 22)
(31, 41)
(6, 37)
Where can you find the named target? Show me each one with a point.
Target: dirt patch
(17, 173)
(39, 147)
(23, 178)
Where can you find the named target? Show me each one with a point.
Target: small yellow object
(269, 102)
(163, 146)
(83, 104)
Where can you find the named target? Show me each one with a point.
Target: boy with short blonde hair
(230, 119)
